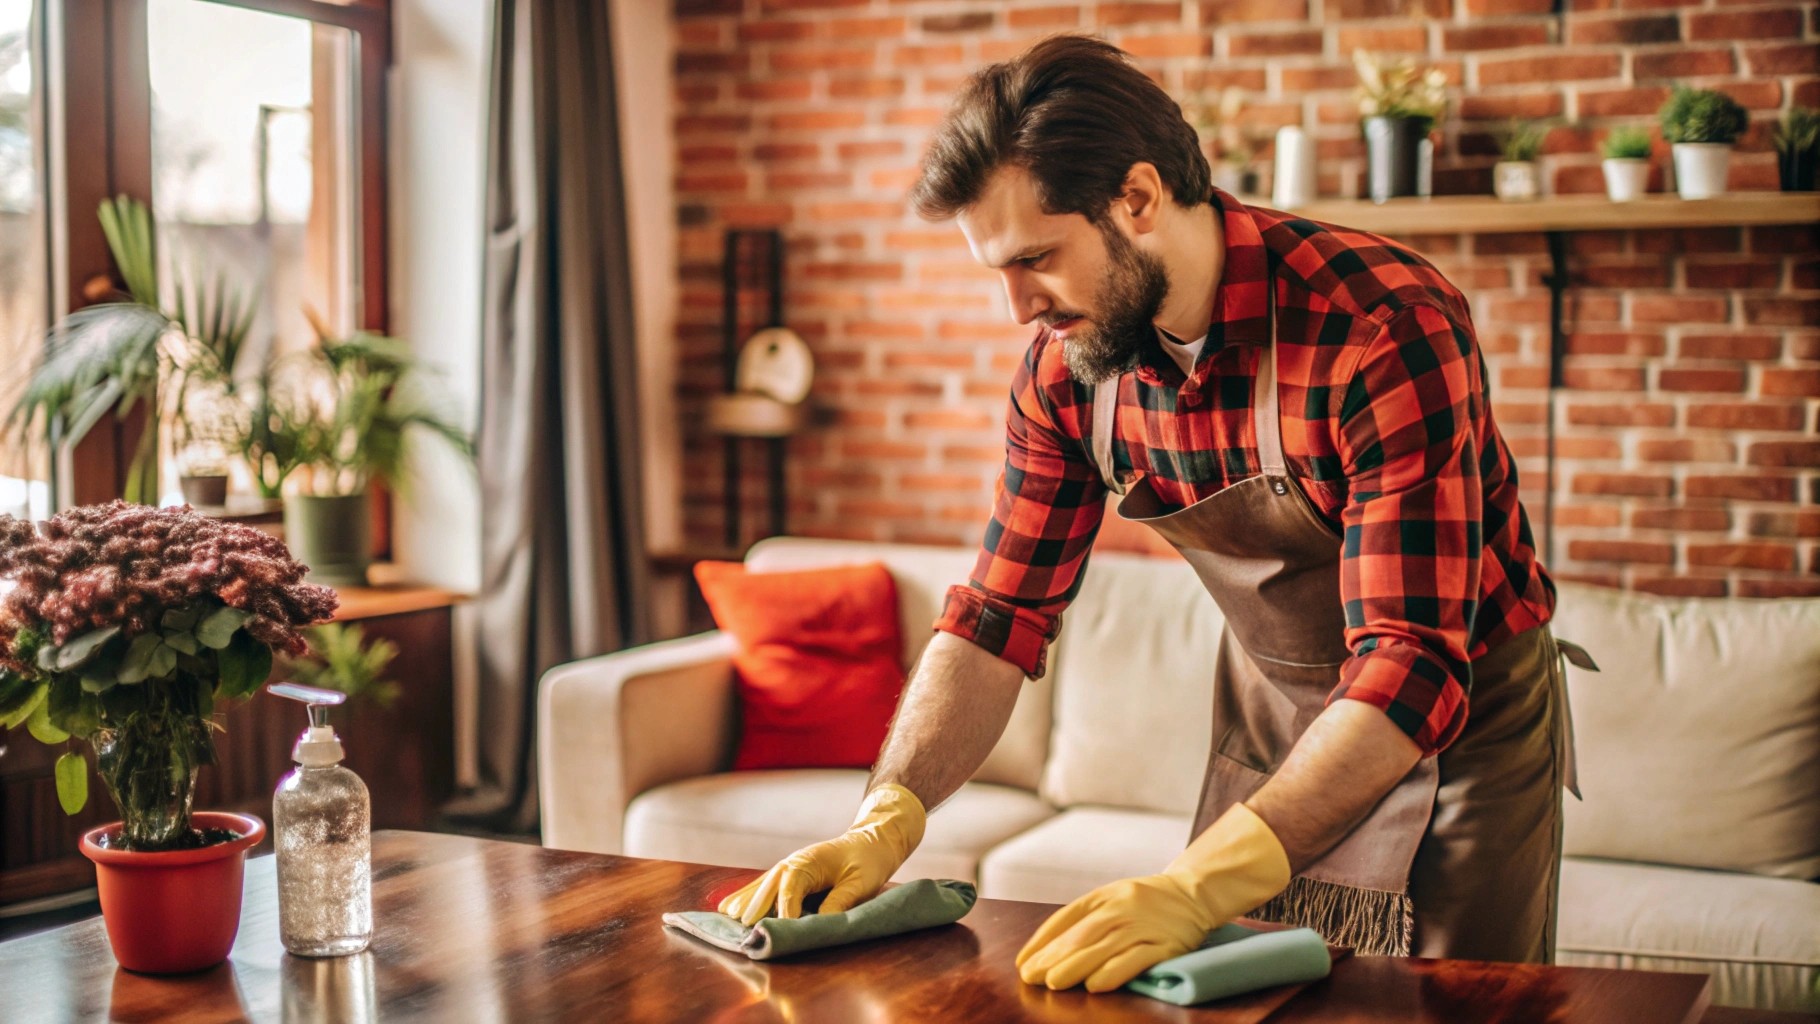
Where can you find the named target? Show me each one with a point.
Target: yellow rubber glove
(854, 865)
(1117, 931)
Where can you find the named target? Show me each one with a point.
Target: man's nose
(1026, 303)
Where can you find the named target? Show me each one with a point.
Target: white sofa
(1697, 847)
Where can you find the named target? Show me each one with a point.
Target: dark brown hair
(1074, 112)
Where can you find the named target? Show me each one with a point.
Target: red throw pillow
(818, 663)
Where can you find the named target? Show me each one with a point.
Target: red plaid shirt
(1387, 428)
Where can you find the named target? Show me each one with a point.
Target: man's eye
(1032, 261)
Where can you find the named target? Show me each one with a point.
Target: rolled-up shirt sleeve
(1412, 522)
(1046, 510)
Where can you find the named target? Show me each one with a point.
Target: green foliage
(1798, 131)
(341, 658)
(1628, 142)
(1400, 89)
(1702, 115)
(1522, 140)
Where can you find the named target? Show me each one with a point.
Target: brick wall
(1689, 431)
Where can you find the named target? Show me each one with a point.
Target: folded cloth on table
(1236, 959)
(923, 903)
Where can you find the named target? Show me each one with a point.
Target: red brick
(817, 120)
(1785, 453)
(865, 88)
(949, 419)
(775, 89)
(707, 8)
(1700, 380)
(1493, 36)
(966, 21)
(847, 58)
(1603, 378)
(1622, 102)
(1785, 239)
(1682, 449)
(1541, 70)
(1734, 273)
(1638, 414)
(1274, 44)
(1526, 105)
(1135, 13)
(1744, 488)
(1769, 23)
(805, 5)
(1787, 312)
(1389, 39)
(1668, 309)
(1787, 59)
(1681, 241)
(1791, 382)
(1503, 8)
(1745, 416)
(1774, 557)
(1652, 28)
(1679, 586)
(712, 181)
(1753, 96)
(1803, 523)
(775, 31)
(1584, 447)
(1618, 275)
(1525, 377)
(1779, 588)
(1729, 346)
(1588, 515)
(1215, 79)
(1641, 485)
(1592, 343)
(1804, 346)
(1682, 63)
(1628, 551)
(1228, 12)
(1043, 17)
(1697, 520)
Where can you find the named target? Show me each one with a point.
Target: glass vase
(147, 756)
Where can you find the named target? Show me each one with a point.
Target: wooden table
(471, 929)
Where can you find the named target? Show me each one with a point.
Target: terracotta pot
(175, 911)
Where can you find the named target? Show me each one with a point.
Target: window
(24, 251)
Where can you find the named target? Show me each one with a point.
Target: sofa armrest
(611, 727)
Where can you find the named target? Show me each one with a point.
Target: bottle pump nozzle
(318, 746)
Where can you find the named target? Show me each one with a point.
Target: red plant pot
(174, 911)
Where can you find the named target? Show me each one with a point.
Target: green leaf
(205, 698)
(137, 665)
(75, 711)
(19, 714)
(164, 661)
(217, 628)
(181, 619)
(245, 664)
(15, 690)
(74, 653)
(181, 641)
(99, 683)
(72, 782)
(40, 725)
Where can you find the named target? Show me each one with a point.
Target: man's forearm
(1351, 755)
(953, 710)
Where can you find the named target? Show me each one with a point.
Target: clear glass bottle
(322, 829)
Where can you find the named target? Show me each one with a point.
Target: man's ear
(1141, 202)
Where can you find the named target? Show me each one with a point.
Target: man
(1302, 411)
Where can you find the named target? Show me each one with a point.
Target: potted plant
(125, 627)
(1798, 148)
(135, 349)
(340, 657)
(1517, 176)
(1626, 163)
(343, 414)
(1399, 105)
(1701, 124)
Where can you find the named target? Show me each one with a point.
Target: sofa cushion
(1756, 936)
(1699, 742)
(1079, 850)
(923, 576)
(1134, 688)
(755, 819)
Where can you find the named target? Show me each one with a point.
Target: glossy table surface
(480, 930)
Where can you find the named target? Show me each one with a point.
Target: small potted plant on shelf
(1517, 176)
(333, 420)
(1626, 163)
(126, 627)
(1399, 105)
(1702, 124)
(1798, 148)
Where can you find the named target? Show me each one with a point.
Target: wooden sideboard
(405, 752)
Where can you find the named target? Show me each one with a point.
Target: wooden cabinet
(405, 753)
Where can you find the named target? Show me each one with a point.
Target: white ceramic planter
(1626, 178)
(1516, 179)
(1700, 168)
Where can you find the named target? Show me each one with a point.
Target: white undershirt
(1183, 352)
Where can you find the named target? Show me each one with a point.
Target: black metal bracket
(750, 259)
(1557, 280)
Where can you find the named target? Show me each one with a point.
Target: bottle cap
(318, 746)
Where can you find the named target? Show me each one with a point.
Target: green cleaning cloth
(1236, 959)
(924, 903)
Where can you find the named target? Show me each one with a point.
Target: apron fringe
(1370, 921)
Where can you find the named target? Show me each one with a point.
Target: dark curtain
(563, 566)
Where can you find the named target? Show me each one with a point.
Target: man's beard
(1135, 287)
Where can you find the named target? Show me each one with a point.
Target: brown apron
(1461, 858)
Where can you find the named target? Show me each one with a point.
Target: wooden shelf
(1451, 215)
(387, 594)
